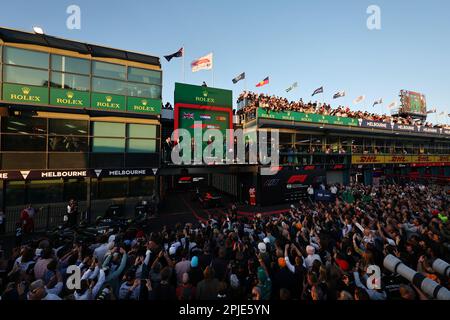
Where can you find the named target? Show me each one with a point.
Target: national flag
(202, 63)
(177, 54)
(262, 83)
(294, 85)
(359, 99)
(239, 78)
(317, 91)
(188, 115)
(205, 117)
(379, 101)
(392, 105)
(431, 111)
(339, 94)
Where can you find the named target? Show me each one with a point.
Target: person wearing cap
(283, 278)
(195, 272)
(38, 291)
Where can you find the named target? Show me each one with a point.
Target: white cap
(266, 240)
(262, 247)
(172, 250)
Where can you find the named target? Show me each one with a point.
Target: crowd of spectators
(277, 104)
(316, 251)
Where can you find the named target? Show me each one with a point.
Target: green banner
(108, 102)
(144, 105)
(69, 98)
(306, 117)
(186, 93)
(25, 94)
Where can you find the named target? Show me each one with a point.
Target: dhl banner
(397, 159)
(367, 159)
(374, 159)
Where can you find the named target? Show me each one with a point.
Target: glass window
(69, 64)
(75, 189)
(109, 145)
(141, 146)
(45, 191)
(25, 76)
(24, 57)
(23, 142)
(144, 75)
(67, 143)
(112, 188)
(155, 92)
(141, 186)
(141, 131)
(68, 127)
(15, 193)
(109, 86)
(109, 70)
(24, 125)
(141, 90)
(108, 129)
(70, 81)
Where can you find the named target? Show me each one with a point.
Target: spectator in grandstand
(277, 104)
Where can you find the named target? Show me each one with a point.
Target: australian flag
(177, 54)
(188, 115)
(239, 78)
(317, 91)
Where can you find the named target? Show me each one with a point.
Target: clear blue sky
(316, 43)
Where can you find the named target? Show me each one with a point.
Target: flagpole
(183, 67)
(212, 69)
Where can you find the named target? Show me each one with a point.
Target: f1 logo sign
(301, 178)
(374, 279)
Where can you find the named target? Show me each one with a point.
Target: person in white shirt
(38, 291)
(310, 192)
(333, 189)
(312, 256)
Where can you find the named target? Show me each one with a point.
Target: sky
(315, 43)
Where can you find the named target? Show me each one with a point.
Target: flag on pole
(239, 78)
(379, 101)
(202, 63)
(359, 99)
(392, 105)
(294, 85)
(431, 111)
(317, 91)
(339, 94)
(177, 54)
(262, 83)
